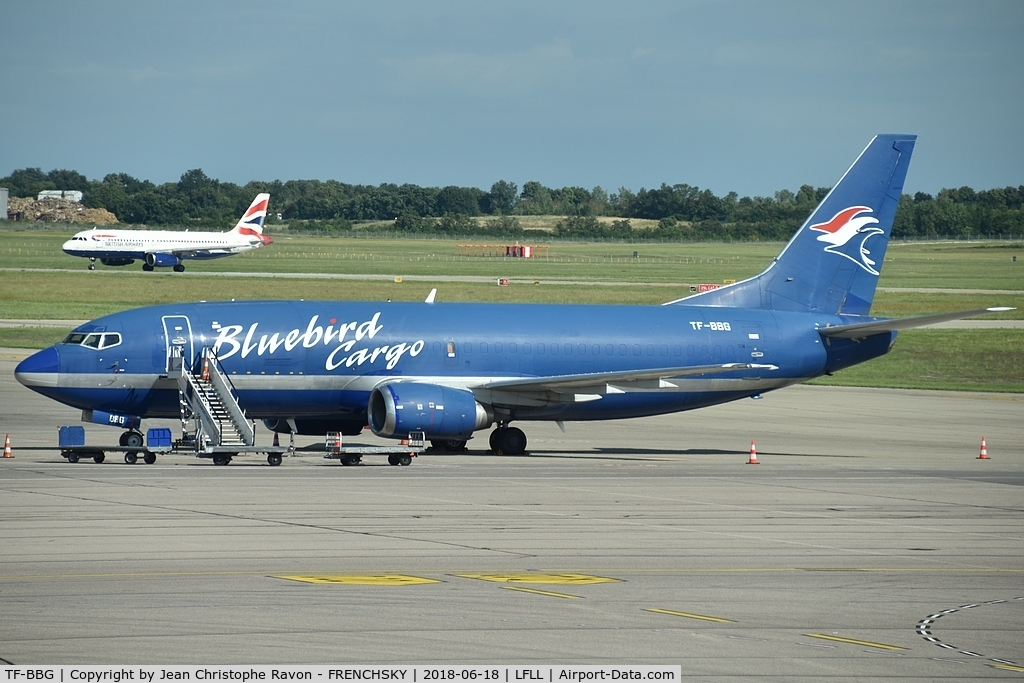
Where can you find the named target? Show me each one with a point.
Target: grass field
(40, 282)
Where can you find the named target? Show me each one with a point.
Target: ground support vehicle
(398, 454)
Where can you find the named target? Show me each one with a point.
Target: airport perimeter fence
(281, 230)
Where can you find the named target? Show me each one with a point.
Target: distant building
(70, 195)
(3, 203)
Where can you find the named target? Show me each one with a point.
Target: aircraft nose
(41, 369)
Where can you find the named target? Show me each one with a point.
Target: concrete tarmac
(869, 543)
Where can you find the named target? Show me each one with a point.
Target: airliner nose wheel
(131, 438)
(508, 441)
(92, 264)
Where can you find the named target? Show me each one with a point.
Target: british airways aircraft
(452, 369)
(163, 248)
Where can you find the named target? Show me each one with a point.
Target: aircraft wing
(182, 253)
(866, 329)
(191, 252)
(595, 384)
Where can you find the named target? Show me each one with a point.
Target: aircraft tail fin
(251, 222)
(832, 263)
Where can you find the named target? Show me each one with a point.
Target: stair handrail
(200, 404)
(213, 370)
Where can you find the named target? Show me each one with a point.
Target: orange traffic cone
(277, 441)
(753, 453)
(7, 447)
(981, 456)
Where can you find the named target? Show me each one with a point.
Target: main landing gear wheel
(448, 445)
(131, 438)
(130, 458)
(508, 441)
(148, 268)
(274, 459)
(179, 268)
(221, 459)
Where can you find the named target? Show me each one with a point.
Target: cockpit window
(94, 340)
(110, 339)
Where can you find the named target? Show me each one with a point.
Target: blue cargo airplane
(451, 369)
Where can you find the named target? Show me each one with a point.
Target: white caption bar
(341, 672)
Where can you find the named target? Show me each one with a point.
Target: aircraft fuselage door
(178, 339)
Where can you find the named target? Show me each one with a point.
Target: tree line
(683, 212)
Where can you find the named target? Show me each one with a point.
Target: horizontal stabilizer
(866, 329)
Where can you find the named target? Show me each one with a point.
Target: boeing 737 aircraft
(451, 369)
(162, 248)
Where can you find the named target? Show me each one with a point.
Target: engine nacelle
(316, 426)
(162, 260)
(117, 261)
(396, 409)
(111, 419)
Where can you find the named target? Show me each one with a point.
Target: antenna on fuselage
(430, 297)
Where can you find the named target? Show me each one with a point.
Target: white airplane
(164, 248)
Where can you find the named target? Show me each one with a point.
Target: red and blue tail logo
(805, 276)
(251, 222)
(850, 227)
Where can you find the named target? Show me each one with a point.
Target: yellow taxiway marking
(550, 594)
(867, 643)
(1008, 667)
(363, 579)
(455, 572)
(563, 579)
(688, 615)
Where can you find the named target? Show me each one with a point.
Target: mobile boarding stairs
(214, 425)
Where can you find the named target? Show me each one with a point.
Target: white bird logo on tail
(843, 228)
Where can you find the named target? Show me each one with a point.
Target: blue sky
(730, 95)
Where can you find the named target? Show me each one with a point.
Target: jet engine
(162, 260)
(396, 409)
(117, 261)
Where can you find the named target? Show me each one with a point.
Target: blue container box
(158, 437)
(73, 435)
